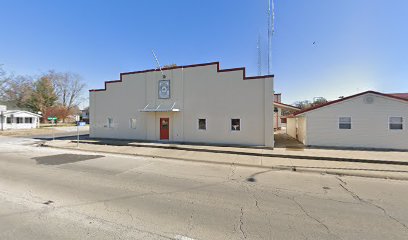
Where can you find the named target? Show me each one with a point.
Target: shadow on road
(64, 158)
(63, 137)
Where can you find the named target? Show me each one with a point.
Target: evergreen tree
(43, 95)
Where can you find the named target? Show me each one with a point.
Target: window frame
(396, 129)
(240, 125)
(339, 123)
(30, 120)
(109, 123)
(205, 124)
(131, 123)
(20, 120)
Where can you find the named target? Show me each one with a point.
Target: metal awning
(160, 108)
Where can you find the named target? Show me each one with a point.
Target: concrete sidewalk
(378, 164)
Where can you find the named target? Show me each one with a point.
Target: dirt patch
(26, 132)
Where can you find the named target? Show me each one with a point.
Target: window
(19, 120)
(110, 122)
(133, 123)
(202, 124)
(345, 123)
(235, 124)
(9, 120)
(28, 120)
(396, 123)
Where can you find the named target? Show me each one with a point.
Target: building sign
(164, 89)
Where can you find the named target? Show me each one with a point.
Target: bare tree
(3, 82)
(68, 88)
(308, 104)
(15, 90)
(18, 90)
(303, 104)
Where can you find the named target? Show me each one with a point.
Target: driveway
(283, 140)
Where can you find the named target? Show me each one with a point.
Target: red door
(164, 128)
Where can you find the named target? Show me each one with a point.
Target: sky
(321, 48)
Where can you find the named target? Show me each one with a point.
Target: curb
(304, 157)
(331, 171)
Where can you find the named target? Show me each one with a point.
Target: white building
(365, 120)
(280, 108)
(18, 119)
(196, 103)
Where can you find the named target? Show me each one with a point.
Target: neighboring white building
(196, 103)
(279, 118)
(366, 120)
(85, 115)
(18, 119)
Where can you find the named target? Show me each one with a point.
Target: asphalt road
(59, 194)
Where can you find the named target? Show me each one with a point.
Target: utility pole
(77, 118)
(53, 130)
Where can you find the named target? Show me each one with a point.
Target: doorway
(164, 128)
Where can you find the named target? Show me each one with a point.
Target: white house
(18, 119)
(196, 103)
(365, 120)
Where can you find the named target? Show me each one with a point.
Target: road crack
(190, 224)
(241, 224)
(252, 193)
(355, 196)
(341, 180)
(232, 172)
(293, 199)
(310, 216)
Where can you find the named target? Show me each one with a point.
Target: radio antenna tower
(258, 46)
(271, 30)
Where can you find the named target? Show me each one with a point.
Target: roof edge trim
(350, 97)
(186, 66)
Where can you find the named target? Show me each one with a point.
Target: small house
(365, 120)
(18, 119)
